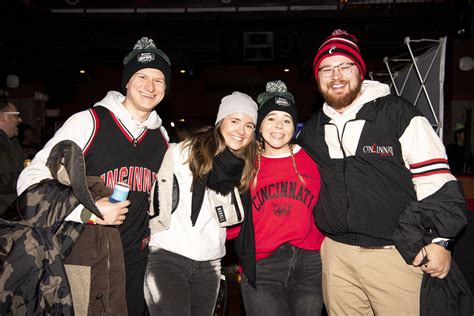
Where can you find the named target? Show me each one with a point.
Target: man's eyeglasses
(344, 68)
(12, 113)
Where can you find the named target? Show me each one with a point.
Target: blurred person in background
(11, 155)
(460, 157)
(28, 137)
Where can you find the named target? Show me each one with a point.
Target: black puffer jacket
(440, 214)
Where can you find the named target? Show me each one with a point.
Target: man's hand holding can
(115, 208)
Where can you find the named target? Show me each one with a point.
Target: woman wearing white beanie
(195, 196)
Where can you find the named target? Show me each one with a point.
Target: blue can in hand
(120, 194)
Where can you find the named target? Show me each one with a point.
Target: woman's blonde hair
(207, 142)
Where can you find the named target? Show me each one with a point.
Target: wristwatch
(448, 244)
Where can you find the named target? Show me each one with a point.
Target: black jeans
(176, 285)
(288, 283)
(135, 274)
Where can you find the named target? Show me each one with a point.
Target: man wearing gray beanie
(123, 140)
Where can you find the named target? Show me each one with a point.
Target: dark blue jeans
(176, 285)
(288, 283)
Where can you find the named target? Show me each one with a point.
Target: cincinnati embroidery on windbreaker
(378, 150)
(138, 178)
(286, 189)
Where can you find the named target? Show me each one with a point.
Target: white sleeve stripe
(430, 172)
(428, 168)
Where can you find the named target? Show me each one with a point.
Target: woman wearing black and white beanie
(278, 243)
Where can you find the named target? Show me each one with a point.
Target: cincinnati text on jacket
(379, 150)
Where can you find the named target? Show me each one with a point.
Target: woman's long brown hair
(207, 142)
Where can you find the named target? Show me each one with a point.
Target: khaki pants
(358, 281)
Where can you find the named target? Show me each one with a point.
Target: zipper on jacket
(108, 272)
(344, 165)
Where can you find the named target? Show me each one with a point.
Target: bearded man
(378, 157)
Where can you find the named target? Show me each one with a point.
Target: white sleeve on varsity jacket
(425, 156)
(77, 128)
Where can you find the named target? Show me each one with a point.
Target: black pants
(288, 283)
(177, 285)
(135, 275)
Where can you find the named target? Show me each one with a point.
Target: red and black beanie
(343, 44)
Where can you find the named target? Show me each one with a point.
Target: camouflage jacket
(34, 238)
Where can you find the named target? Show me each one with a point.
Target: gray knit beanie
(237, 102)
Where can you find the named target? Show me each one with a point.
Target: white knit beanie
(237, 102)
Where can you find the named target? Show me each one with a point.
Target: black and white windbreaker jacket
(374, 159)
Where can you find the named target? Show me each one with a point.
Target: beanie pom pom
(277, 86)
(338, 32)
(343, 33)
(144, 43)
(273, 89)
